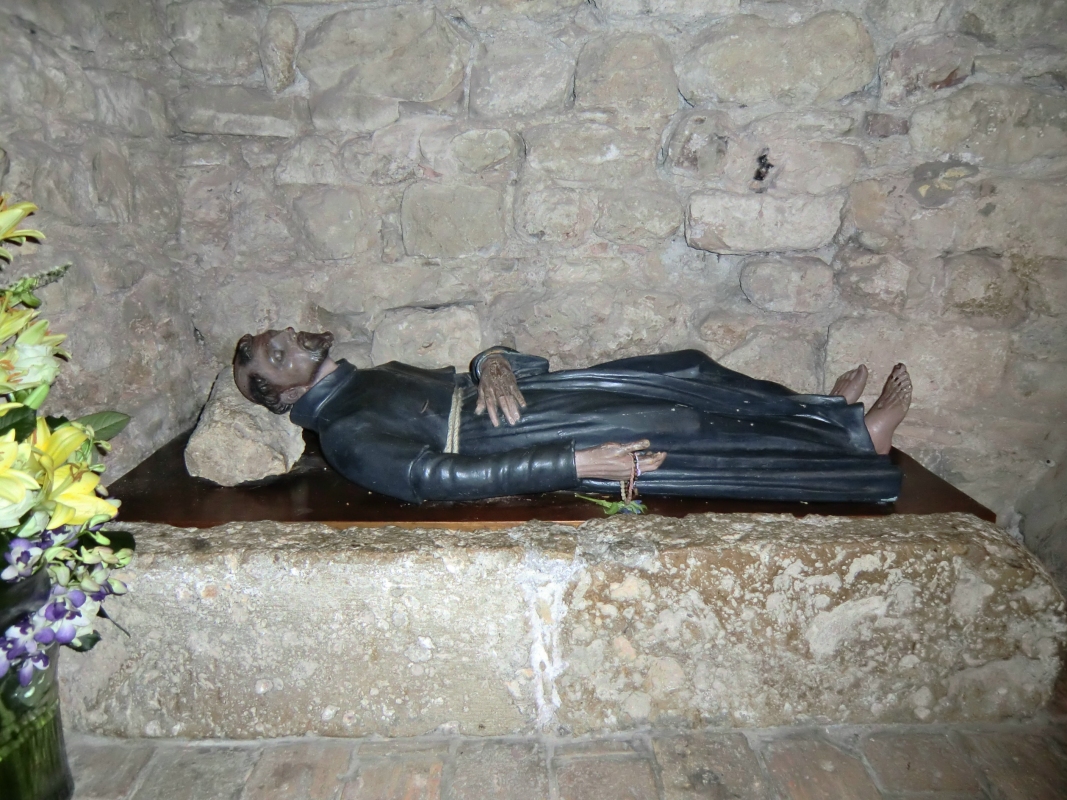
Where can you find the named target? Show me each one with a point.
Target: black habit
(725, 434)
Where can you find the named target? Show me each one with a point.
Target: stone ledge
(268, 629)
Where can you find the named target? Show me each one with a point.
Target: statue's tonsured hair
(261, 390)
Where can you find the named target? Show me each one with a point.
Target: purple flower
(22, 557)
(38, 660)
(21, 636)
(66, 632)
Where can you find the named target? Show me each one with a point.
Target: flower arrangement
(52, 508)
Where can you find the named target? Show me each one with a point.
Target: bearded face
(274, 368)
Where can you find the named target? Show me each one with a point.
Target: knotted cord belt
(452, 442)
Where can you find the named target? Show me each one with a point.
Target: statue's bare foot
(850, 385)
(889, 409)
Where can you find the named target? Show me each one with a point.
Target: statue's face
(287, 359)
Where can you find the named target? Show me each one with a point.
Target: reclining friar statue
(679, 422)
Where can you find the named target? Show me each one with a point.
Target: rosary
(626, 504)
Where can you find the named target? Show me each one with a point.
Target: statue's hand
(497, 389)
(614, 462)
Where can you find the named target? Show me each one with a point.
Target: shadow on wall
(1044, 520)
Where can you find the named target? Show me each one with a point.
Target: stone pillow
(236, 441)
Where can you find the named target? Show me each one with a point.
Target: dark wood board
(161, 490)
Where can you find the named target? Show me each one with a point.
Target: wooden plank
(160, 490)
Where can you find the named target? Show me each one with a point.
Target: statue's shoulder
(400, 368)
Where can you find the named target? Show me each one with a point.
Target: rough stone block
(407, 52)
(781, 354)
(105, 770)
(1020, 767)
(814, 770)
(798, 165)
(724, 222)
(636, 215)
(277, 48)
(240, 111)
(215, 38)
(128, 104)
(428, 338)
(500, 771)
(237, 441)
(709, 766)
(736, 620)
(795, 285)
(446, 220)
(686, 10)
(218, 773)
(335, 221)
(973, 373)
(344, 109)
(407, 780)
(983, 289)
(606, 777)
(483, 149)
(312, 771)
(998, 125)
(1004, 215)
(629, 73)
(899, 16)
(920, 68)
(748, 60)
(882, 126)
(557, 215)
(521, 75)
(40, 80)
(698, 144)
(1046, 285)
(872, 280)
(917, 762)
(586, 152)
(1009, 24)
(310, 160)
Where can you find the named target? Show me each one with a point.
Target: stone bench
(263, 629)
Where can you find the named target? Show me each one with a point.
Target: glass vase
(33, 758)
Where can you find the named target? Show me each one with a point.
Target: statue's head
(276, 368)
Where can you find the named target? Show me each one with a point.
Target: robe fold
(725, 434)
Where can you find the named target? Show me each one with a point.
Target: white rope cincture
(452, 441)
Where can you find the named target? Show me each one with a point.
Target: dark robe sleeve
(414, 471)
(523, 365)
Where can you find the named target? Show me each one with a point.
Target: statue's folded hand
(615, 462)
(498, 392)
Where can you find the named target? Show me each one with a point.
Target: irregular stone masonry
(582, 180)
(265, 630)
(1023, 762)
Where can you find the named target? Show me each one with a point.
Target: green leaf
(105, 424)
(84, 643)
(23, 420)
(55, 423)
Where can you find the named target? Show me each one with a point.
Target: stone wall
(793, 187)
(85, 134)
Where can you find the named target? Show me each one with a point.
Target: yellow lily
(10, 217)
(12, 322)
(16, 485)
(37, 334)
(53, 448)
(74, 492)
